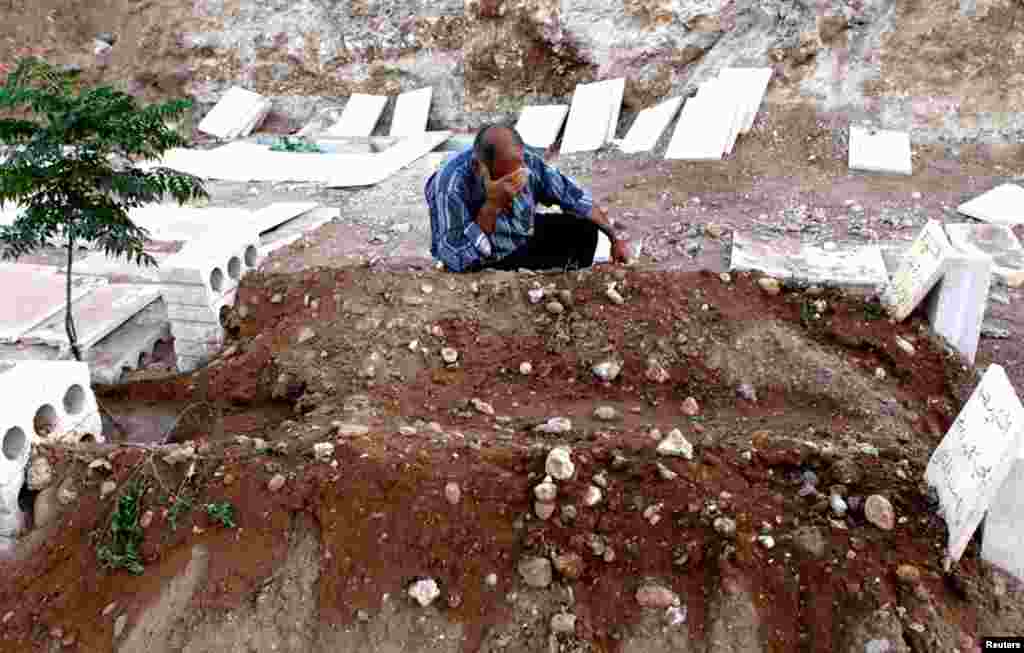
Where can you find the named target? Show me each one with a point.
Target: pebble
(101, 464)
(666, 473)
(323, 451)
(879, 373)
(563, 624)
(566, 297)
(675, 444)
(408, 430)
(592, 496)
(690, 407)
(491, 580)
(107, 611)
(908, 574)
(426, 289)
(349, 430)
(555, 426)
(107, 488)
(607, 371)
(747, 392)
(725, 527)
(905, 346)
(614, 296)
(559, 464)
(546, 490)
(770, 285)
(146, 519)
(838, 505)
(276, 483)
(656, 372)
(449, 355)
(767, 541)
(555, 308)
(277, 298)
(525, 368)
(535, 571)
(305, 335)
(7, 617)
(879, 512)
(424, 591)
(656, 596)
(482, 406)
(725, 277)
(606, 413)
(713, 229)
(535, 295)
(453, 493)
(569, 565)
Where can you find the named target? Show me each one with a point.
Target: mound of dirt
(398, 465)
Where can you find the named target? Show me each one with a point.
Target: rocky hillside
(948, 70)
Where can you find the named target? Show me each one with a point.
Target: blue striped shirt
(455, 194)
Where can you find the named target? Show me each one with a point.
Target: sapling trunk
(69, 322)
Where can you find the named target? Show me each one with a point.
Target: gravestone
(956, 305)
(975, 457)
(880, 150)
(649, 125)
(994, 240)
(1003, 535)
(1002, 205)
(920, 270)
(834, 265)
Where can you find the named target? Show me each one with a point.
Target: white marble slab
(411, 111)
(787, 259)
(649, 125)
(539, 125)
(759, 79)
(880, 151)
(278, 213)
(1002, 205)
(589, 117)
(733, 99)
(957, 303)
(617, 89)
(359, 117)
(994, 240)
(686, 125)
(975, 457)
(34, 293)
(236, 114)
(1003, 534)
(919, 271)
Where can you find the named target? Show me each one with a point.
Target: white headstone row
(979, 467)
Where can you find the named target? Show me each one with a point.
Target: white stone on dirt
(559, 464)
(449, 355)
(535, 571)
(880, 150)
(725, 526)
(665, 473)
(546, 491)
(491, 580)
(482, 406)
(554, 426)
(676, 444)
(956, 305)
(323, 451)
(767, 541)
(769, 285)
(305, 335)
(453, 493)
(656, 596)
(108, 487)
(146, 519)
(879, 512)
(424, 591)
(40, 474)
(180, 454)
(971, 465)
(614, 295)
(276, 483)
(592, 496)
(918, 272)
(690, 407)
(838, 505)
(607, 371)
(555, 308)
(606, 413)
(563, 624)
(525, 368)
(905, 346)
(349, 430)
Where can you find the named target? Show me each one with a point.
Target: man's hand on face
(502, 191)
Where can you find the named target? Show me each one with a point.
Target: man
(483, 210)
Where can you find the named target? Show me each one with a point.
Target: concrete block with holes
(54, 403)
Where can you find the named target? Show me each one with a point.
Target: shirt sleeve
(458, 240)
(556, 188)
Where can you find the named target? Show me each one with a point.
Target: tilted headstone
(975, 457)
(920, 270)
(956, 306)
(1003, 534)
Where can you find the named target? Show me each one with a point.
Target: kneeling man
(483, 210)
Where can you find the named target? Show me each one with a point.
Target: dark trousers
(559, 241)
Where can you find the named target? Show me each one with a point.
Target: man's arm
(458, 240)
(556, 188)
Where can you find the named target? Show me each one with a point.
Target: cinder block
(956, 305)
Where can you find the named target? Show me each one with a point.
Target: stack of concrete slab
(45, 401)
(724, 108)
(169, 222)
(539, 125)
(880, 150)
(978, 468)
(593, 115)
(360, 116)
(236, 115)
(851, 266)
(197, 283)
(1002, 205)
(34, 293)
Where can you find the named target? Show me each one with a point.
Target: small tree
(69, 164)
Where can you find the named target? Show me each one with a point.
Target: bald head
(500, 149)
